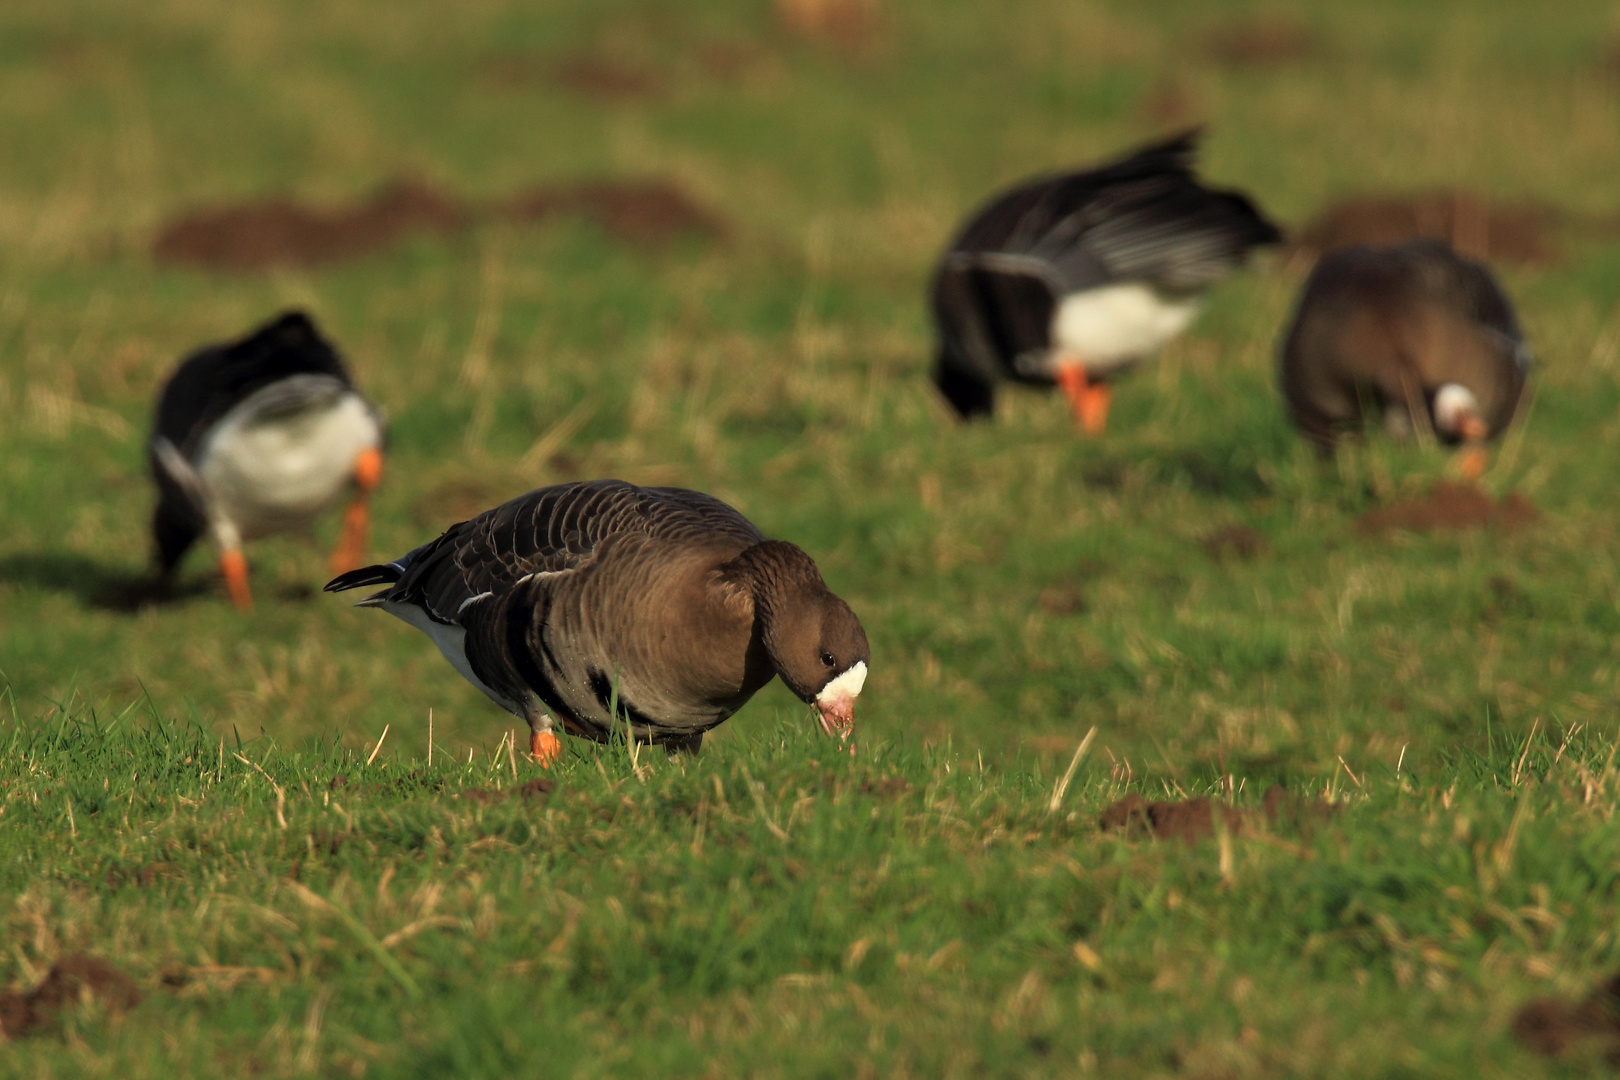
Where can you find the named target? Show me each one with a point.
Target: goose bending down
(1070, 278)
(668, 603)
(1414, 332)
(259, 436)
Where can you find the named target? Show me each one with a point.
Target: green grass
(785, 371)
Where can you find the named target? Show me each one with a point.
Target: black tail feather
(381, 574)
(971, 396)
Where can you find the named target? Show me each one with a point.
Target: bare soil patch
(538, 788)
(596, 78)
(643, 213)
(1234, 542)
(1451, 506)
(71, 981)
(281, 232)
(849, 25)
(1169, 104)
(257, 235)
(1520, 233)
(1553, 1027)
(1194, 819)
(1062, 598)
(1261, 43)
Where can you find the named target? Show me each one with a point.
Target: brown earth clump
(281, 232)
(538, 788)
(1194, 819)
(605, 80)
(1169, 104)
(1499, 232)
(643, 213)
(1234, 541)
(70, 981)
(1062, 598)
(1451, 506)
(851, 25)
(1553, 1027)
(1261, 44)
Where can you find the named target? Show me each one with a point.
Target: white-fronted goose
(669, 601)
(259, 436)
(1413, 331)
(1069, 279)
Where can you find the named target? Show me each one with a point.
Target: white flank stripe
(472, 600)
(847, 685)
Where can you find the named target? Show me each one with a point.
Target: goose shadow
(95, 585)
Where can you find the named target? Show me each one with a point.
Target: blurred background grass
(1019, 583)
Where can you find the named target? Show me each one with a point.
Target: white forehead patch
(847, 685)
(1453, 402)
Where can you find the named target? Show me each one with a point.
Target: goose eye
(827, 659)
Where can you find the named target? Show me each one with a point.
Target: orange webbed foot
(544, 747)
(350, 552)
(1088, 398)
(233, 567)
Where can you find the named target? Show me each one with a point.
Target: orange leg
(351, 549)
(233, 565)
(1471, 461)
(1088, 399)
(544, 747)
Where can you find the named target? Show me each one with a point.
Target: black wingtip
(971, 397)
(382, 574)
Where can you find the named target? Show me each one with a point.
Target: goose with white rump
(1414, 333)
(260, 436)
(600, 606)
(1073, 278)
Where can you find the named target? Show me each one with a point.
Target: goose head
(814, 641)
(1456, 414)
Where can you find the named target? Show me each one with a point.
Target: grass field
(772, 908)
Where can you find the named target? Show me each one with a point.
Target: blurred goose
(259, 436)
(1070, 278)
(667, 602)
(1414, 331)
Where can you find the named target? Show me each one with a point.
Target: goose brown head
(812, 638)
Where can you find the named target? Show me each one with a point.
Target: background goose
(1069, 278)
(556, 601)
(1414, 331)
(259, 436)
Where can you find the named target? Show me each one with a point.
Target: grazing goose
(560, 600)
(1414, 331)
(1070, 278)
(259, 436)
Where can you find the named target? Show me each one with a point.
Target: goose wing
(550, 531)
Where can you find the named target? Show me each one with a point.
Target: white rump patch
(847, 685)
(1116, 325)
(451, 640)
(1453, 403)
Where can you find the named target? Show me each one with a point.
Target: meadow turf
(169, 794)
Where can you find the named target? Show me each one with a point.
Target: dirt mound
(537, 788)
(592, 77)
(1061, 598)
(70, 981)
(1194, 819)
(1552, 1027)
(1234, 541)
(1168, 103)
(851, 25)
(1501, 232)
(1261, 44)
(281, 232)
(1450, 506)
(644, 213)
